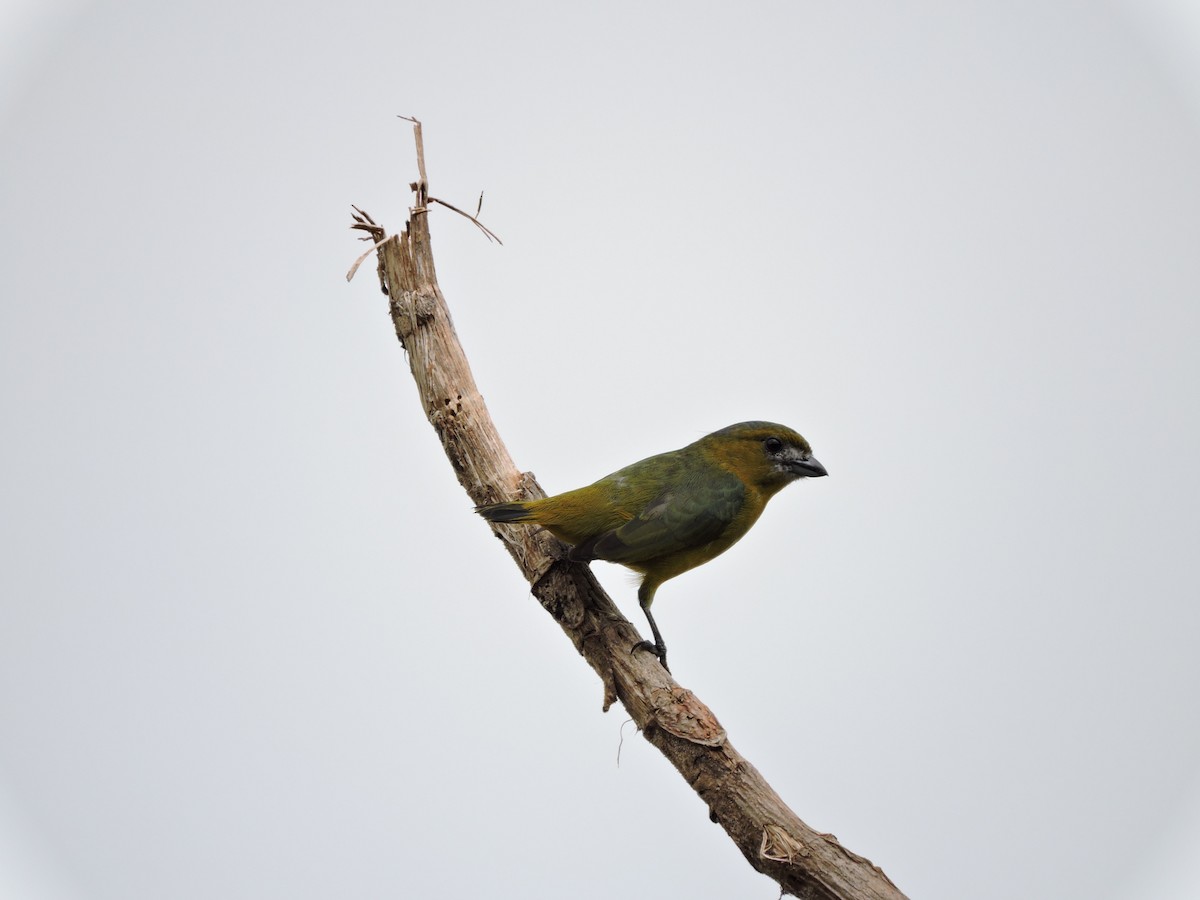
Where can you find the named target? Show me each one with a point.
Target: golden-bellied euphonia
(672, 512)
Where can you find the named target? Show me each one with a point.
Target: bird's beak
(806, 468)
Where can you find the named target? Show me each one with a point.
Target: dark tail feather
(505, 512)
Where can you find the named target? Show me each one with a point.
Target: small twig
(364, 222)
(491, 235)
(358, 262)
(374, 233)
(621, 739)
(422, 188)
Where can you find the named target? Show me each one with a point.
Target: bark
(773, 839)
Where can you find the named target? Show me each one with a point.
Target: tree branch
(774, 841)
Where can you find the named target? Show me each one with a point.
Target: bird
(669, 513)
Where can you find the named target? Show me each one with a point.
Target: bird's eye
(773, 445)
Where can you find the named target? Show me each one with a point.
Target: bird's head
(764, 454)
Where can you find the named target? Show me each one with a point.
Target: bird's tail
(506, 512)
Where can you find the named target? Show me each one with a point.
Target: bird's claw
(657, 649)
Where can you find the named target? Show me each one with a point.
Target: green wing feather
(687, 514)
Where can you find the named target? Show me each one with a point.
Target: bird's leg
(659, 647)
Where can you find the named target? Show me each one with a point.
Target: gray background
(254, 644)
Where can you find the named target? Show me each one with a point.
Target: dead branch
(773, 839)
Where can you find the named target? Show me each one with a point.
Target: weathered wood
(773, 839)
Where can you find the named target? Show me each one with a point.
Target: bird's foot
(657, 649)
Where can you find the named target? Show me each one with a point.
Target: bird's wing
(682, 516)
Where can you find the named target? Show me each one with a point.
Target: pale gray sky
(254, 644)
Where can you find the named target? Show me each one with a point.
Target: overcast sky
(253, 642)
